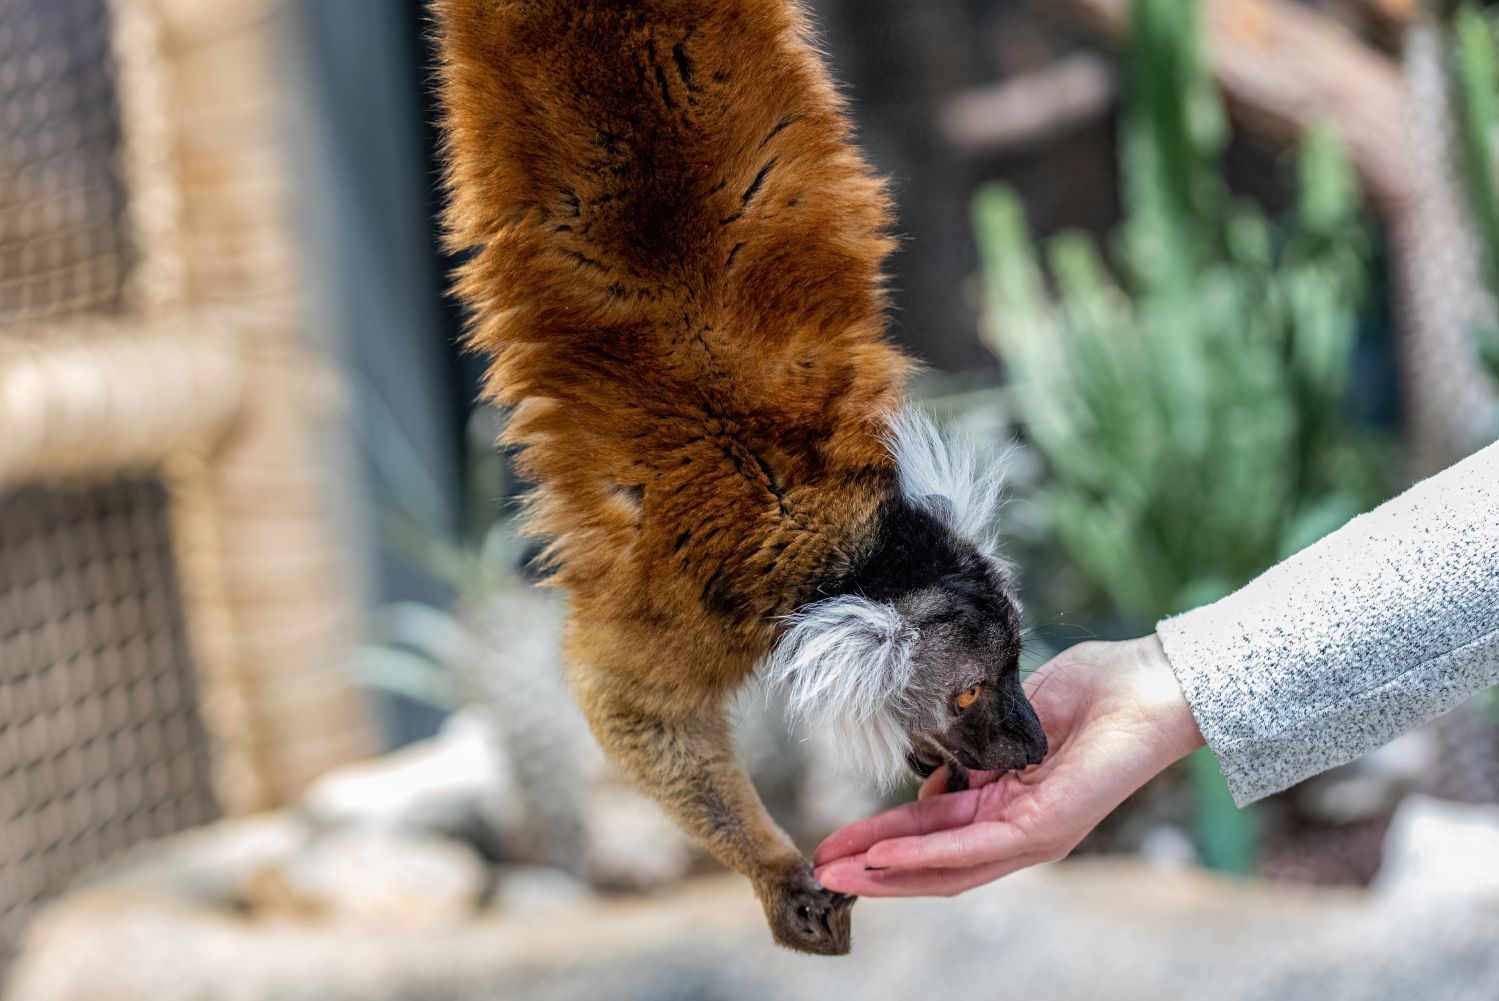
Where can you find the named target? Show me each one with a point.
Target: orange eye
(969, 696)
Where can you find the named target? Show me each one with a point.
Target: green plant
(494, 652)
(1187, 391)
(1190, 400)
(1474, 80)
(432, 654)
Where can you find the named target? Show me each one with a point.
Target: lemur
(674, 268)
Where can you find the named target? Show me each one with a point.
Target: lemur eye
(969, 696)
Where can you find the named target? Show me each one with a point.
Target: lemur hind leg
(685, 760)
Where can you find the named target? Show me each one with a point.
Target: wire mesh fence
(63, 241)
(101, 745)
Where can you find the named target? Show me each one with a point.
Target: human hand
(1114, 716)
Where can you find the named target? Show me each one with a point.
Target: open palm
(1114, 717)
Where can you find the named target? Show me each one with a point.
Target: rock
(539, 890)
(629, 843)
(1441, 853)
(1168, 846)
(374, 880)
(210, 866)
(1074, 931)
(457, 782)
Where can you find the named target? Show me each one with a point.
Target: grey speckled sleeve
(1388, 622)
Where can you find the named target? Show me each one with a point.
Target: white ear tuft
(846, 663)
(949, 466)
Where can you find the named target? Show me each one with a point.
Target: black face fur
(962, 608)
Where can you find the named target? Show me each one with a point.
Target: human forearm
(1390, 621)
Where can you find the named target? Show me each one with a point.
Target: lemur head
(913, 659)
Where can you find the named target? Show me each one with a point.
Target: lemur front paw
(806, 917)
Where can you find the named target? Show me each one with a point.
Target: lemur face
(967, 700)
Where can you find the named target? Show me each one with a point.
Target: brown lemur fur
(675, 270)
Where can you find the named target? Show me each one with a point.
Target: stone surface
(452, 782)
(1079, 930)
(629, 843)
(368, 879)
(1441, 853)
(537, 890)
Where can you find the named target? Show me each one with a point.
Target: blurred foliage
(1474, 78)
(1188, 389)
(430, 654)
(1189, 400)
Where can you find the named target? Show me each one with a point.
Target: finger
(934, 784)
(850, 876)
(841, 871)
(936, 813)
(960, 847)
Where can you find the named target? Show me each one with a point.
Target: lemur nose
(1035, 749)
(1032, 738)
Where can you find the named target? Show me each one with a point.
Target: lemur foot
(808, 918)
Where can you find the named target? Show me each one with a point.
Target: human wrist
(1161, 699)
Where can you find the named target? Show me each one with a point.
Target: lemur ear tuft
(967, 479)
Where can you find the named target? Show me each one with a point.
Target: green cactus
(1474, 79)
(1187, 390)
